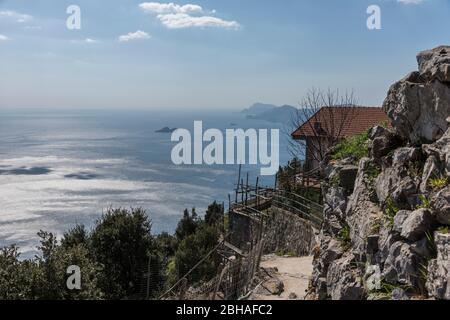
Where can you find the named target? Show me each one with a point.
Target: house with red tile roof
(329, 125)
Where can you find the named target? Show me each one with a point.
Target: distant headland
(269, 112)
(166, 130)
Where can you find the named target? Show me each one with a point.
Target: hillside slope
(386, 231)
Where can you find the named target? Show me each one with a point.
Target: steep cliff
(385, 234)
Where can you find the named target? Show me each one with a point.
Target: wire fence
(237, 270)
(233, 281)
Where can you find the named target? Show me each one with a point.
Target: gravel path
(293, 272)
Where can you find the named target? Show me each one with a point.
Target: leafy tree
(51, 287)
(75, 236)
(54, 262)
(214, 214)
(121, 242)
(166, 244)
(187, 225)
(119, 259)
(90, 271)
(18, 280)
(192, 249)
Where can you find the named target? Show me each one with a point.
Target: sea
(63, 168)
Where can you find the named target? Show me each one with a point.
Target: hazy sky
(208, 54)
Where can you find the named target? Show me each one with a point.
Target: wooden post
(246, 190)
(239, 180)
(294, 177)
(223, 215)
(147, 295)
(276, 181)
(242, 191)
(257, 192)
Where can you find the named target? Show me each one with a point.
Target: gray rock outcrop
(387, 221)
(419, 104)
(438, 281)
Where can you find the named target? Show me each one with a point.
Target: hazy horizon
(207, 54)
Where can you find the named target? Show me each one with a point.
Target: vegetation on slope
(355, 146)
(114, 258)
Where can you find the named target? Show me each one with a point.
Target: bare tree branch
(325, 115)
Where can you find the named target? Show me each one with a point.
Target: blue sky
(212, 54)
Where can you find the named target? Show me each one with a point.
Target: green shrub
(335, 180)
(376, 225)
(187, 225)
(386, 289)
(121, 241)
(192, 249)
(438, 182)
(443, 230)
(390, 211)
(372, 172)
(425, 202)
(344, 238)
(215, 214)
(355, 146)
(114, 258)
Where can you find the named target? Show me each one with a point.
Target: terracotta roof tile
(341, 121)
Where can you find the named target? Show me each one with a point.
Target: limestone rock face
(335, 204)
(416, 224)
(402, 265)
(435, 64)
(347, 177)
(440, 150)
(432, 169)
(395, 182)
(399, 220)
(382, 141)
(438, 281)
(441, 203)
(379, 222)
(399, 294)
(361, 210)
(419, 104)
(387, 238)
(344, 281)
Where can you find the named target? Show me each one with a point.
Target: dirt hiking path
(288, 278)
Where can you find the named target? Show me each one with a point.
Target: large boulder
(419, 104)
(387, 238)
(362, 211)
(381, 142)
(440, 150)
(347, 177)
(432, 169)
(330, 250)
(335, 204)
(396, 182)
(435, 64)
(441, 203)
(344, 282)
(403, 265)
(399, 219)
(416, 224)
(438, 280)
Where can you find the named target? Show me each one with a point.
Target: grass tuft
(390, 211)
(344, 238)
(425, 202)
(355, 146)
(438, 183)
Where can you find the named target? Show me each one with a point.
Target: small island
(166, 130)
